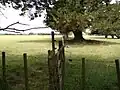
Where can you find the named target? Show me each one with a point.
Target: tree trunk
(78, 35)
(106, 35)
(65, 36)
(112, 36)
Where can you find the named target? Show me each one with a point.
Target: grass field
(100, 66)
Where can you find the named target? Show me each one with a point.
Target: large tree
(62, 15)
(73, 15)
(107, 20)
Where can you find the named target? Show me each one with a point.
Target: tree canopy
(107, 19)
(73, 15)
(26, 5)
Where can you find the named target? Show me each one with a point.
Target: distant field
(100, 67)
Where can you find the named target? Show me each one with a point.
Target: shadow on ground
(85, 42)
(101, 37)
(91, 42)
(35, 41)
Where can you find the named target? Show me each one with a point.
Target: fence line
(4, 70)
(56, 66)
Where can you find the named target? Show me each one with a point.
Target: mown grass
(99, 55)
(100, 65)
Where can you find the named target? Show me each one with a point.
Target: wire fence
(23, 75)
(82, 74)
(85, 74)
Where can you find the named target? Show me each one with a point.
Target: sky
(113, 1)
(12, 16)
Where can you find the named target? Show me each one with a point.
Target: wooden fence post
(3, 67)
(56, 66)
(83, 73)
(25, 70)
(62, 58)
(60, 64)
(50, 70)
(53, 41)
(53, 84)
(118, 72)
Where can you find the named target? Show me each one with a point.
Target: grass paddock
(100, 65)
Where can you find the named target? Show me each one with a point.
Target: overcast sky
(12, 16)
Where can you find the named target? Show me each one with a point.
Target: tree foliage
(73, 15)
(27, 5)
(66, 22)
(107, 19)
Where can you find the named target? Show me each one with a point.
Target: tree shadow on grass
(101, 37)
(90, 42)
(84, 42)
(35, 41)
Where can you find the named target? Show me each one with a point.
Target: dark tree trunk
(106, 35)
(112, 36)
(78, 35)
(65, 36)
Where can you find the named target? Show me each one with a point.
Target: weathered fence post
(25, 70)
(83, 73)
(3, 67)
(56, 66)
(52, 67)
(53, 41)
(50, 70)
(62, 58)
(118, 72)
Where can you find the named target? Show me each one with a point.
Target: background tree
(69, 21)
(107, 20)
(73, 15)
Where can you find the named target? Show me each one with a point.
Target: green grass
(100, 66)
